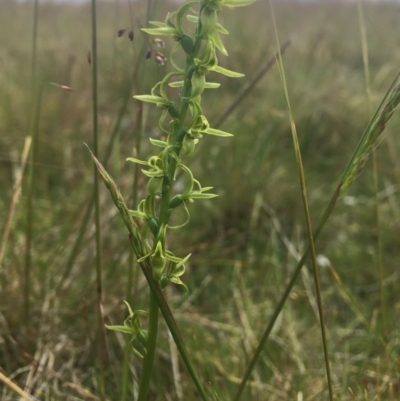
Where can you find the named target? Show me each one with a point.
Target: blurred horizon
(182, 1)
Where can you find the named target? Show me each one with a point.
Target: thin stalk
(307, 215)
(132, 261)
(125, 372)
(29, 211)
(133, 269)
(15, 388)
(177, 137)
(379, 259)
(29, 206)
(172, 326)
(150, 348)
(34, 41)
(99, 280)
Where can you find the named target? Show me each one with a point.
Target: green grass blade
(306, 213)
(99, 273)
(372, 134)
(379, 261)
(151, 349)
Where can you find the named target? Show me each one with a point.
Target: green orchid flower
(133, 327)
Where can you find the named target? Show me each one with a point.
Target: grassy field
(244, 243)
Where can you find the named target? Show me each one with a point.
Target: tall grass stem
(306, 213)
(29, 211)
(34, 42)
(133, 268)
(379, 259)
(29, 206)
(151, 349)
(99, 279)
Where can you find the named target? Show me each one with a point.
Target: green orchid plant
(183, 124)
(200, 49)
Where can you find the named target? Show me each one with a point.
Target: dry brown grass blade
(15, 388)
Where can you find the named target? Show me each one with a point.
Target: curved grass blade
(307, 215)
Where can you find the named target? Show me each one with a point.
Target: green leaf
(215, 38)
(153, 173)
(158, 23)
(137, 353)
(205, 189)
(156, 142)
(208, 85)
(162, 31)
(176, 84)
(226, 72)
(143, 258)
(216, 132)
(211, 85)
(129, 309)
(136, 213)
(193, 18)
(141, 312)
(151, 99)
(237, 3)
(177, 280)
(132, 159)
(221, 29)
(200, 195)
(170, 256)
(122, 329)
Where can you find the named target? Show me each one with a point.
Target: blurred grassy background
(240, 264)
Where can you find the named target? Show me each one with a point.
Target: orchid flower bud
(173, 110)
(153, 225)
(187, 44)
(176, 201)
(158, 261)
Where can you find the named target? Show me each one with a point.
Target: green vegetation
(245, 244)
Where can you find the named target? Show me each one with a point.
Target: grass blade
(306, 213)
(99, 279)
(379, 261)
